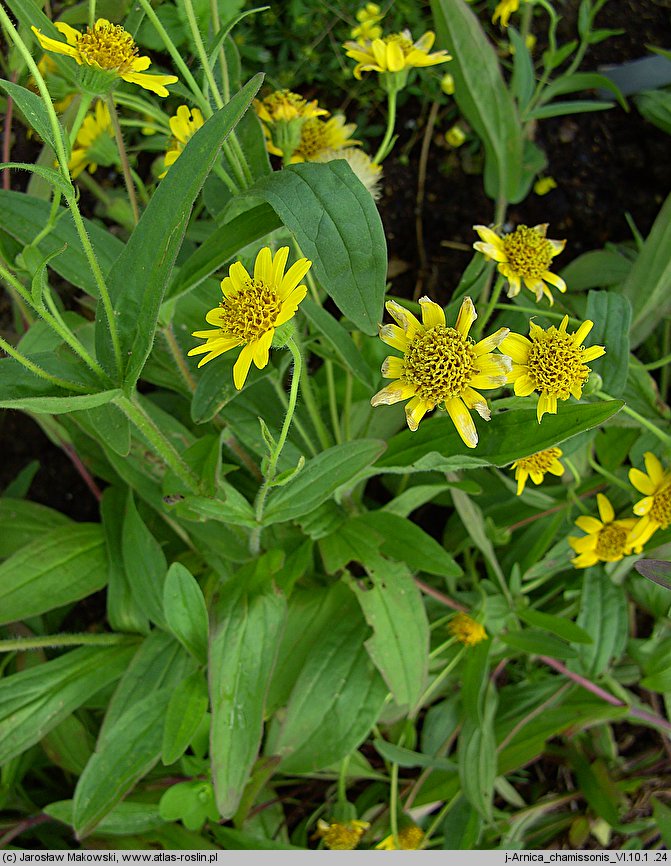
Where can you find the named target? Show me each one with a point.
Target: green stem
(313, 411)
(224, 176)
(612, 479)
(300, 428)
(216, 26)
(536, 311)
(649, 425)
(131, 407)
(491, 306)
(255, 539)
(82, 109)
(342, 779)
(393, 803)
(347, 408)
(38, 371)
(178, 357)
(439, 680)
(123, 156)
(661, 362)
(51, 220)
(383, 149)
(21, 644)
(92, 12)
(333, 405)
(440, 817)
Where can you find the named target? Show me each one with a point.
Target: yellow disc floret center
(528, 252)
(611, 542)
(660, 511)
(555, 363)
(440, 362)
(252, 312)
(108, 46)
(402, 41)
(341, 837)
(541, 461)
(313, 138)
(284, 105)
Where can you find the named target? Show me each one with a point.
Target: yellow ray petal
(463, 421)
(490, 343)
(262, 348)
(393, 336)
(263, 266)
(654, 468)
(415, 410)
(641, 482)
(432, 314)
(394, 393)
(392, 367)
(241, 366)
(155, 83)
(293, 277)
(516, 347)
(606, 512)
(466, 317)
(279, 264)
(588, 524)
(290, 305)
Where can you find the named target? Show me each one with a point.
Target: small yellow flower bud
(455, 136)
(544, 185)
(447, 84)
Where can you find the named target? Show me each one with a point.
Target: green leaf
(655, 106)
(185, 611)
(507, 437)
(139, 277)
(320, 478)
(53, 177)
(611, 314)
(482, 96)
(108, 422)
(125, 819)
(23, 521)
(596, 787)
(33, 109)
(340, 341)
(651, 269)
(407, 758)
(128, 751)
(60, 567)
(476, 755)
(69, 745)
(222, 245)
(596, 269)
(21, 389)
(36, 700)
(338, 227)
(563, 628)
(336, 699)
(243, 649)
(558, 109)
(662, 815)
(399, 645)
(184, 715)
(23, 217)
(603, 615)
(581, 81)
(657, 571)
(539, 643)
(145, 564)
(522, 82)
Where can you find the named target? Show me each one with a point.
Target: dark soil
(606, 165)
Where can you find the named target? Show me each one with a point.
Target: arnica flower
(395, 52)
(318, 136)
(544, 185)
(655, 508)
(108, 49)
(341, 836)
(537, 466)
(183, 125)
(369, 18)
(441, 366)
(467, 631)
(551, 362)
(523, 255)
(408, 838)
(252, 308)
(368, 172)
(455, 136)
(95, 144)
(283, 115)
(607, 540)
(504, 10)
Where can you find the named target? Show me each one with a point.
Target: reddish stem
(83, 471)
(22, 826)
(439, 596)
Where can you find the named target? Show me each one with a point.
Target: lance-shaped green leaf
(185, 610)
(139, 277)
(245, 638)
(482, 96)
(603, 615)
(33, 109)
(338, 227)
(36, 700)
(60, 567)
(184, 715)
(23, 522)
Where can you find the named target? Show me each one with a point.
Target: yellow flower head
(607, 540)
(283, 105)
(368, 28)
(183, 126)
(525, 254)
(441, 366)
(341, 836)
(252, 308)
(551, 362)
(107, 48)
(368, 172)
(394, 53)
(408, 838)
(455, 136)
(655, 508)
(537, 466)
(319, 136)
(504, 10)
(95, 144)
(467, 631)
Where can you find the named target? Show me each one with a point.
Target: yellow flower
(447, 84)
(441, 366)
(655, 509)
(467, 631)
(552, 362)
(95, 144)
(455, 136)
(283, 115)
(252, 308)
(318, 136)
(368, 172)
(504, 10)
(525, 254)
(544, 185)
(108, 48)
(183, 125)
(369, 18)
(409, 838)
(394, 53)
(607, 540)
(537, 466)
(341, 836)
